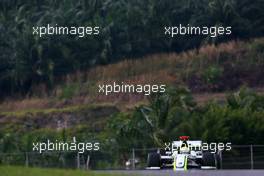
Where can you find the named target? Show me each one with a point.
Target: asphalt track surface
(189, 173)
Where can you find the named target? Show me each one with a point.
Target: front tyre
(210, 159)
(154, 160)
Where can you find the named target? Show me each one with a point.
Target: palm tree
(164, 113)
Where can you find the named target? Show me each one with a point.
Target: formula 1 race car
(182, 155)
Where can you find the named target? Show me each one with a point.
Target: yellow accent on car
(174, 164)
(185, 163)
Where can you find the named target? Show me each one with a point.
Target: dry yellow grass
(169, 69)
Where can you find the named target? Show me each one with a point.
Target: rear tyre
(209, 159)
(218, 161)
(154, 160)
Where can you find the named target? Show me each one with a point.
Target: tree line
(129, 29)
(238, 119)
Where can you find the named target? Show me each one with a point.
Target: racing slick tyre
(218, 161)
(154, 160)
(209, 159)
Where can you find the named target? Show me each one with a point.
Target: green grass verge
(23, 171)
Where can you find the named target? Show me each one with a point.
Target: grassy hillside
(207, 70)
(54, 117)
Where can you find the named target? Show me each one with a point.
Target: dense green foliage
(239, 120)
(128, 29)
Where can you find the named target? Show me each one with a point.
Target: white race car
(182, 155)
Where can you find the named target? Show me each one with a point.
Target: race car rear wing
(193, 145)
